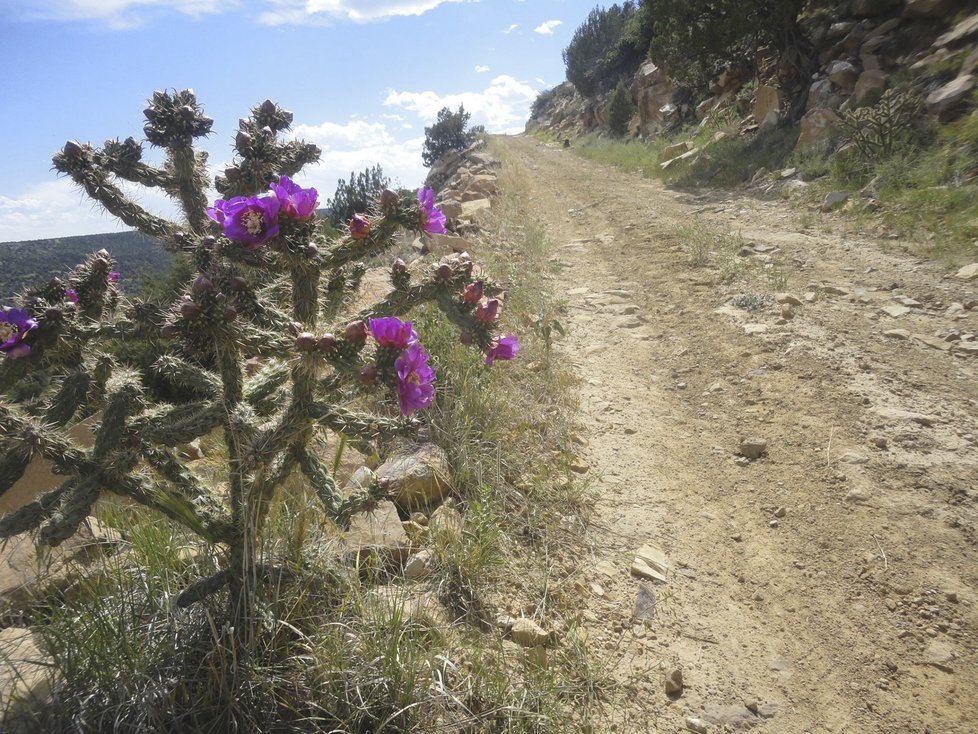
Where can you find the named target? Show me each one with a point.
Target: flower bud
(473, 292)
(187, 112)
(466, 338)
(398, 266)
(169, 331)
(444, 271)
(209, 241)
(267, 107)
(310, 250)
(73, 148)
(388, 199)
(368, 374)
(232, 173)
(237, 283)
(355, 332)
(180, 237)
(359, 227)
(295, 328)
(305, 342)
(202, 284)
(487, 311)
(230, 313)
(189, 310)
(326, 343)
(242, 141)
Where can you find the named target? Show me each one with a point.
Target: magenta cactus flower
(114, 276)
(414, 378)
(248, 220)
(488, 311)
(430, 218)
(359, 227)
(393, 333)
(15, 325)
(294, 201)
(504, 348)
(71, 294)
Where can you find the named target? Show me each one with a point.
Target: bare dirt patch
(830, 585)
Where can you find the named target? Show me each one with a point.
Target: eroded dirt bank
(832, 584)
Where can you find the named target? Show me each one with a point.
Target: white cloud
(355, 11)
(118, 14)
(512, 28)
(547, 27)
(357, 145)
(481, 69)
(52, 209)
(502, 107)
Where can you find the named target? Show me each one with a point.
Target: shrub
(605, 48)
(448, 133)
(356, 195)
(620, 110)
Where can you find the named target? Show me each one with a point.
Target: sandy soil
(830, 585)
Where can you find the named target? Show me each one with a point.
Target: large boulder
(816, 126)
(843, 74)
(767, 105)
(419, 476)
(869, 87)
(651, 89)
(945, 100)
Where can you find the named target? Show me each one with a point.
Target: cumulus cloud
(355, 145)
(355, 11)
(547, 27)
(512, 28)
(502, 107)
(119, 14)
(481, 69)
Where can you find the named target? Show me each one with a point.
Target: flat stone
(931, 341)
(895, 311)
(857, 496)
(751, 329)
(850, 457)
(898, 414)
(897, 334)
(419, 565)
(644, 604)
(527, 633)
(946, 98)
(908, 301)
(788, 298)
(650, 563)
(446, 521)
(735, 715)
(834, 200)
(940, 655)
(968, 272)
(379, 532)
(419, 476)
(834, 290)
(696, 725)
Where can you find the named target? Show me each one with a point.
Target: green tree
(695, 39)
(607, 47)
(356, 195)
(620, 110)
(448, 133)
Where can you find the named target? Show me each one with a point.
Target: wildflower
(294, 201)
(359, 227)
(15, 324)
(393, 333)
(504, 348)
(431, 219)
(114, 276)
(473, 292)
(249, 220)
(414, 378)
(487, 311)
(71, 294)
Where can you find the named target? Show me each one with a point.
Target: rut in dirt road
(830, 585)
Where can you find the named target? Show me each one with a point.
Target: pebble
(752, 448)
(674, 682)
(781, 512)
(697, 726)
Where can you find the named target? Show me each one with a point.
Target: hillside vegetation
(866, 106)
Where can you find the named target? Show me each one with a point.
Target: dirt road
(830, 585)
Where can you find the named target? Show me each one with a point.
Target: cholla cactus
(876, 130)
(267, 286)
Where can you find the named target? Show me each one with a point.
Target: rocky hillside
(861, 48)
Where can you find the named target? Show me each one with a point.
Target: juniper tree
(266, 288)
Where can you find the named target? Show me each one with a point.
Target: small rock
(579, 466)
(834, 199)
(851, 457)
(379, 532)
(857, 495)
(787, 312)
(644, 604)
(418, 477)
(741, 461)
(752, 448)
(650, 563)
(528, 633)
(446, 522)
(895, 311)
(781, 512)
(674, 682)
(697, 726)
(968, 272)
(901, 334)
(787, 298)
(879, 442)
(419, 565)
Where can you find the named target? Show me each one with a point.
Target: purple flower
(295, 202)
(414, 378)
(487, 311)
(15, 324)
(71, 294)
(504, 348)
(393, 333)
(114, 276)
(430, 218)
(248, 220)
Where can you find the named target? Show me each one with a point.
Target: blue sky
(363, 78)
